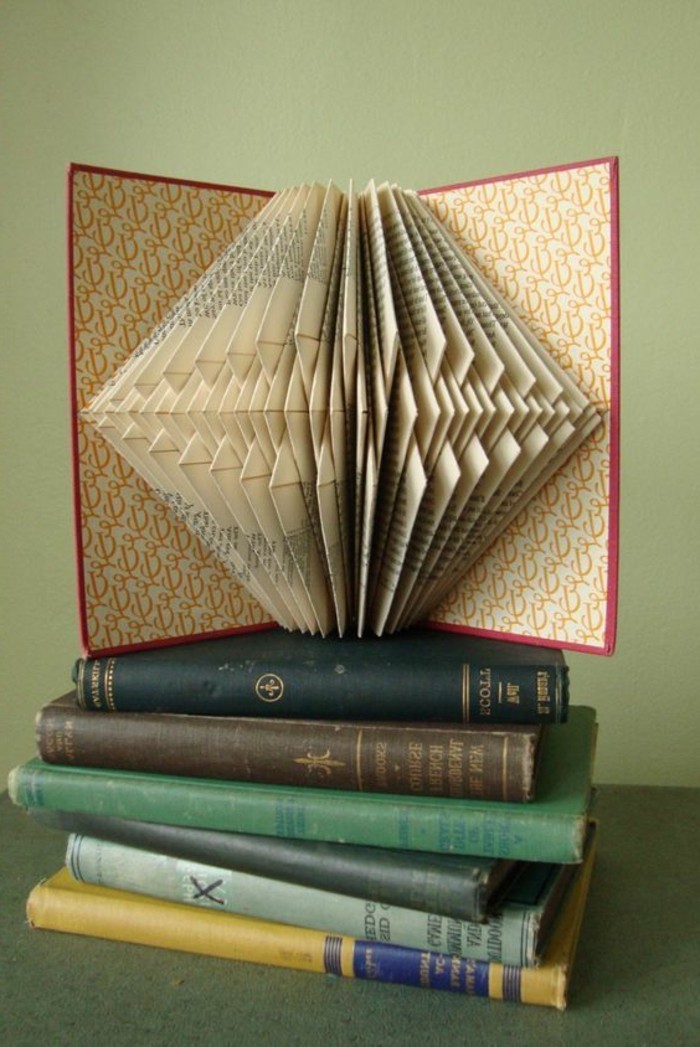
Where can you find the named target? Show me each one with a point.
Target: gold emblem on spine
(321, 764)
(269, 687)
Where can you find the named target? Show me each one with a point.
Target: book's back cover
(546, 239)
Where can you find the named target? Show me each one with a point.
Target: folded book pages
(346, 422)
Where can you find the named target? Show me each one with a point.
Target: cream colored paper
(343, 410)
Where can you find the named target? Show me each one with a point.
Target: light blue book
(513, 935)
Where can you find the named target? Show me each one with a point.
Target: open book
(346, 421)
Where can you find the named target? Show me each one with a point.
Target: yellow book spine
(63, 904)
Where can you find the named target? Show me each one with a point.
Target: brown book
(480, 761)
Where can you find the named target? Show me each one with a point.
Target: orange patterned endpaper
(137, 245)
(547, 240)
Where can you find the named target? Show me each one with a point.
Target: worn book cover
(514, 932)
(416, 674)
(452, 886)
(62, 903)
(550, 829)
(345, 411)
(485, 761)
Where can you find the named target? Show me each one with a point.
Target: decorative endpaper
(546, 240)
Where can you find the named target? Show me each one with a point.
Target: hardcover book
(550, 829)
(62, 903)
(486, 761)
(514, 933)
(345, 411)
(448, 885)
(417, 674)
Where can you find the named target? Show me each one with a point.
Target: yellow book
(64, 904)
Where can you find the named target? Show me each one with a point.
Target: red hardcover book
(153, 264)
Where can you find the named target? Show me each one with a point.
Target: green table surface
(635, 979)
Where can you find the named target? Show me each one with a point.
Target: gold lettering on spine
(455, 759)
(466, 697)
(109, 684)
(415, 767)
(69, 741)
(358, 760)
(95, 683)
(504, 780)
(381, 766)
(476, 769)
(435, 768)
(544, 697)
(485, 692)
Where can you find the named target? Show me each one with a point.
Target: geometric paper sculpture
(344, 410)
(347, 415)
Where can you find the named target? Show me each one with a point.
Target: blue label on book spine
(429, 970)
(477, 977)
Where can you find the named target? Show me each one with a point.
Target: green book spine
(551, 828)
(510, 936)
(417, 674)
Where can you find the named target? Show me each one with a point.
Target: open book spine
(343, 410)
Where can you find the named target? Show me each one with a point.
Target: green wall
(267, 93)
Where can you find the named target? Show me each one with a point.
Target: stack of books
(320, 420)
(411, 809)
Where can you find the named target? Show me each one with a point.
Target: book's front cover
(136, 245)
(546, 239)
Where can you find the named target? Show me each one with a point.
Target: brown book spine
(453, 760)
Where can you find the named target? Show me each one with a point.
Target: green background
(268, 94)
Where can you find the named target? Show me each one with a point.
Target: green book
(514, 934)
(550, 829)
(416, 674)
(456, 886)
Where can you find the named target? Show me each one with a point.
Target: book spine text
(425, 760)
(406, 677)
(494, 830)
